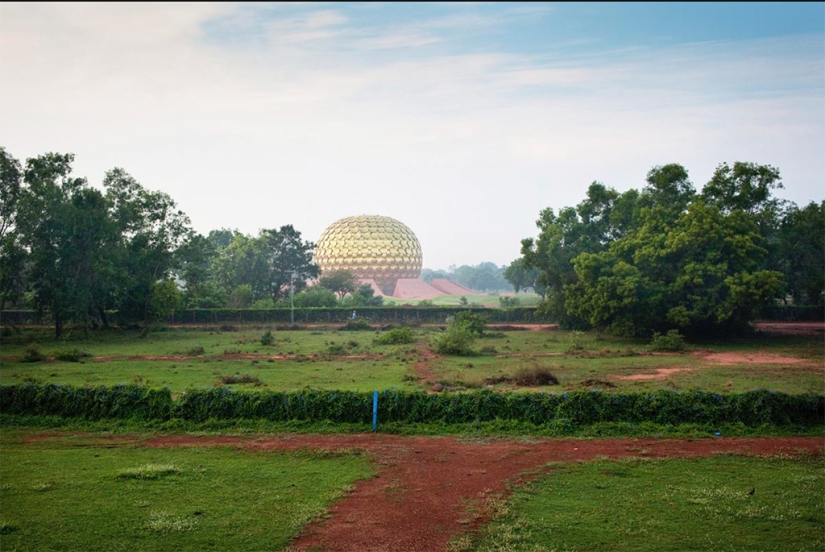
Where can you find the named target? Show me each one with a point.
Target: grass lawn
(95, 493)
(330, 359)
(673, 504)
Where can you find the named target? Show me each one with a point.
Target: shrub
(578, 341)
(475, 323)
(336, 349)
(455, 340)
(148, 471)
(32, 354)
(534, 376)
(398, 336)
(356, 326)
(267, 338)
(671, 342)
(71, 355)
(244, 378)
(195, 351)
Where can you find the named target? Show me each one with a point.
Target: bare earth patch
(658, 374)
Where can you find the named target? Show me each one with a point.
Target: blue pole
(374, 410)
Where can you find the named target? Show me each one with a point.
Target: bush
(398, 336)
(32, 354)
(534, 376)
(475, 323)
(336, 349)
(244, 378)
(71, 355)
(356, 326)
(267, 338)
(195, 351)
(455, 340)
(671, 342)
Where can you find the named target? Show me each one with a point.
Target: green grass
(675, 504)
(578, 360)
(98, 493)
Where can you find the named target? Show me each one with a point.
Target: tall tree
(340, 282)
(12, 254)
(288, 261)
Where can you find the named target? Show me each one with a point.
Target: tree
(802, 253)
(65, 227)
(316, 296)
(151, 230)
(12, 254)
(521, 277)
(340, 282)
(364, 296)
(288, 261)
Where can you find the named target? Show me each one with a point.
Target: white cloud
(464, 148)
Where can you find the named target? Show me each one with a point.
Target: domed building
(371, 247)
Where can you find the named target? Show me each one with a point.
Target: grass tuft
(148, 471)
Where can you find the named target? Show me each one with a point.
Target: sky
(461, 120)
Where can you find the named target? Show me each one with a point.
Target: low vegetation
(721, 503)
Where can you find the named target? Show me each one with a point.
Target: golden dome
(370, 246)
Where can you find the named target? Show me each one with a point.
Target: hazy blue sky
(460, 120)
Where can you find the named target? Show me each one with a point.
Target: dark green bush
(356, 326)
(473, 322)
(671, 342)
(455, 340)
(243, 378)
(267, 338)
(93, 403)
(32, 354)
(397, 336)
(72, 354)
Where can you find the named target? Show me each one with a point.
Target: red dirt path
(419, 499)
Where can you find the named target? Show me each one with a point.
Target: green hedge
(92, 403)
(580, 408)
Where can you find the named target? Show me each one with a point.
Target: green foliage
(32, 354)
(148, 471)
(534, 376)
(457, 339)
(472, 322)
(671, 342)
(93, 403)
(232, 379)
(341, 282)
(577, 409)
(314, 297)
(508, 302)
(71, 354)
(267, 338)
(664, 258)
(396, 336)
(356, 326)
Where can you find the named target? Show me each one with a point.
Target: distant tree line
(485, 276)
(669, 257)
(79, 253)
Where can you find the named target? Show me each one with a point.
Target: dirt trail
(429, 489)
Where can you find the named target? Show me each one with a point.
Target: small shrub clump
(455, 340)
(398, 336)
(671, 342)
(239, 378)
(534, 376)
(71, 355)
(32, 354)
(356, 326)
(336, 349)
(475, 323)
(148, 471)
(267, 338)
(195, 351)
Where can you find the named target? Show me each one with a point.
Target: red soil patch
(418, 500)
(659, 374)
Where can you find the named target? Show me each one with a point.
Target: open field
(145, 492)
(324, 358)
(723, 502)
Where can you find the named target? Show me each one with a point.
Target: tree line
(669, 257)
(78, 253)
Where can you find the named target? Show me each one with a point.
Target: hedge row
(579, 408)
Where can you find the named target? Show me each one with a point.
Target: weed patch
(148, 472)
